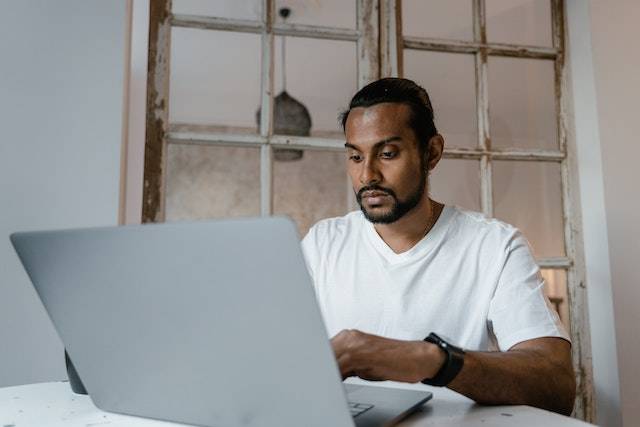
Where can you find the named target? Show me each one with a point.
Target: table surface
(54, 404)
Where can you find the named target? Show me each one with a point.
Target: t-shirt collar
(424, 245)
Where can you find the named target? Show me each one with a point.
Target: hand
(376, 358)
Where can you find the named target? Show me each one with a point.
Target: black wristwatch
(452, 364)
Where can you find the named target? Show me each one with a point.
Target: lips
(374, 198)
(374, 194)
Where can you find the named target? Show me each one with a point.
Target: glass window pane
(442, 19)
(323, 81)
(312, 188)
(524, 22)
(232, 9)
(555, 287)
(522, 104)
(449, 79)
(325, 13)
(215, 78)
(528, 195)
(456, 182)
(212, 182)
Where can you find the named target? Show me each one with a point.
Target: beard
(399, 208)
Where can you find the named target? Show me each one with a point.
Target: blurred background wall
(63, 76)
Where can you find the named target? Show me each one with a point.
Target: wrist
(432, 359)
(454, 361)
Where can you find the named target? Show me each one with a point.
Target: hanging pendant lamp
(290, 116)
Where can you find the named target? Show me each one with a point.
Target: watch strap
(453, 363)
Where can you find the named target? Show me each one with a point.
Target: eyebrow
(376, 145)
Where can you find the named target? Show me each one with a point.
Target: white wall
(62, 83)
(615, 32)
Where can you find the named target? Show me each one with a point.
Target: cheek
(401, 172)
(408, 177)
(352, 172)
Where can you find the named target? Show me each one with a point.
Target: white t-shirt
(471, 279)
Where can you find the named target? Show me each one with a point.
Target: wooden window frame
(160, 132)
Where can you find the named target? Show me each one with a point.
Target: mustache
(374, 187)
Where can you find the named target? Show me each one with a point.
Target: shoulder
(470, 226)
(329, 235)
(334, 229)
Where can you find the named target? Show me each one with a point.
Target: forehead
(379, 121)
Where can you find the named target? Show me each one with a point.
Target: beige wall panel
(312, 188)
(213, 182)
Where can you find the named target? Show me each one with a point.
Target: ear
(434, 154)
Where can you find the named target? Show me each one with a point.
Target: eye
(388, 154)
(355, 157)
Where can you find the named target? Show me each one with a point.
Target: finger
(371, 378)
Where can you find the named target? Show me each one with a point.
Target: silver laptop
(210, 323)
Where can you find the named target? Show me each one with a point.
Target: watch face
(442, 341)
(446, 340)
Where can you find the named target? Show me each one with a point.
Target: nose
(369, 173)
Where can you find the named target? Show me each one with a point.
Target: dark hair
(403, 91)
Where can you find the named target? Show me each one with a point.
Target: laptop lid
(209, 323)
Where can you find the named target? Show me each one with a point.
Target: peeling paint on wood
(316, 32)
(391, 41)
(557, 263)
(266, 108)
(157, 110)
(257, 27)
(576, 292)
(368, 51)
(482, 105)
(216, 135)
(215, 23)
(494, 49)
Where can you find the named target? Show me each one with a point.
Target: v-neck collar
(424, 245)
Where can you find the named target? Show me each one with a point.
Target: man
(406, 266)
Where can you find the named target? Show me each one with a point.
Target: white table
(54, 404)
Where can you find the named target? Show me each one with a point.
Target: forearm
(536, 372)
(516, 377)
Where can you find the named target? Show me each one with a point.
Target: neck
(404, 233)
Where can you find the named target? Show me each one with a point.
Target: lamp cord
(284, 62)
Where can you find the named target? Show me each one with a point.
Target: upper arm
(519, 310)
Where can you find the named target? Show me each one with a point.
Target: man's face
(386, 166)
